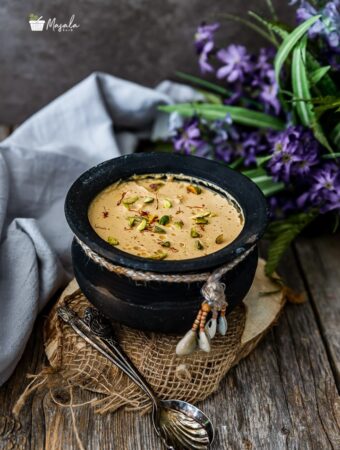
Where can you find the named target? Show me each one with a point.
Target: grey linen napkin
(100, 118)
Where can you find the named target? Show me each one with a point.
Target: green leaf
(300, 83)
(252, 26)
(260, 160)
(331, 155)
(235, 164)
(336, 222)
(214, 88)
(268, 186)
(271, 187)
(240, 115)
(326, 85)
(281, 233)
(265, 182)
(211, 98)
(272, 9)
(335, 136)
(318, 74)
(288, 93)
(204, 83)
(327, 105)
(289, 43)
(277, 28)
(252, 173)
(320, 136)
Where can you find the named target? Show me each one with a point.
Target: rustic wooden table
(283, 396)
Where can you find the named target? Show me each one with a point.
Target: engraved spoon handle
(111, 351)
(102, 328)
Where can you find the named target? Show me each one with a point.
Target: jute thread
(79, 365)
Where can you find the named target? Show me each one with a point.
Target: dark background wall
(142, 40)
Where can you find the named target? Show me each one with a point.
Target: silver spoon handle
(108, 347)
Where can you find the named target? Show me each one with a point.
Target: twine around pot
(213, 293)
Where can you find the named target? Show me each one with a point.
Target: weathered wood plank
(319, 258)
(31, 362)
(283, 396)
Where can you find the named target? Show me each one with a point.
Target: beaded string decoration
(213, 292)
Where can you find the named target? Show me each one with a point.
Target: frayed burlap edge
(74, 364)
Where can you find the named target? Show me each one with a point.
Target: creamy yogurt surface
(165, 219)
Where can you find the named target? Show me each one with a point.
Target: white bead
(222, 325)
(211, 327)
(203, 342)
(187, 344)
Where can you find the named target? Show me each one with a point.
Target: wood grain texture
(319, 258)
(283, 396)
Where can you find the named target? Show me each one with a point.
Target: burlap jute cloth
(75, 363)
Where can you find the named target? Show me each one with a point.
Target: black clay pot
(161, 306)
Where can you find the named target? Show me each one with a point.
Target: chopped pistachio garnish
(167, 203)
(148, 199)
(194, 233)
(159, 256)
(199, 245)
(165, 244)
(201, 220)
(129, 201)
(142, 225)
(131, 221)
(179, 224)
(194, 189)
(202, 215)
(112, 241)
(219, 239)
(146, 226)
(164, 220)
(158, 229)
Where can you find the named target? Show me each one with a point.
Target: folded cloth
(100, 118)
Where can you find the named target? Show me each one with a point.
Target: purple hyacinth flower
(224, 151)
(325, 190)
(236, 63)
(205, 33)
(188, 138)
(305, 12)
(269, 97)
(331, 23)
(295, 151)
(264, 64)
(224, 136)
(203, 60)
(328, 26)
(252, 144)
(284, 154)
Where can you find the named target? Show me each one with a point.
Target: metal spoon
(180, 425)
